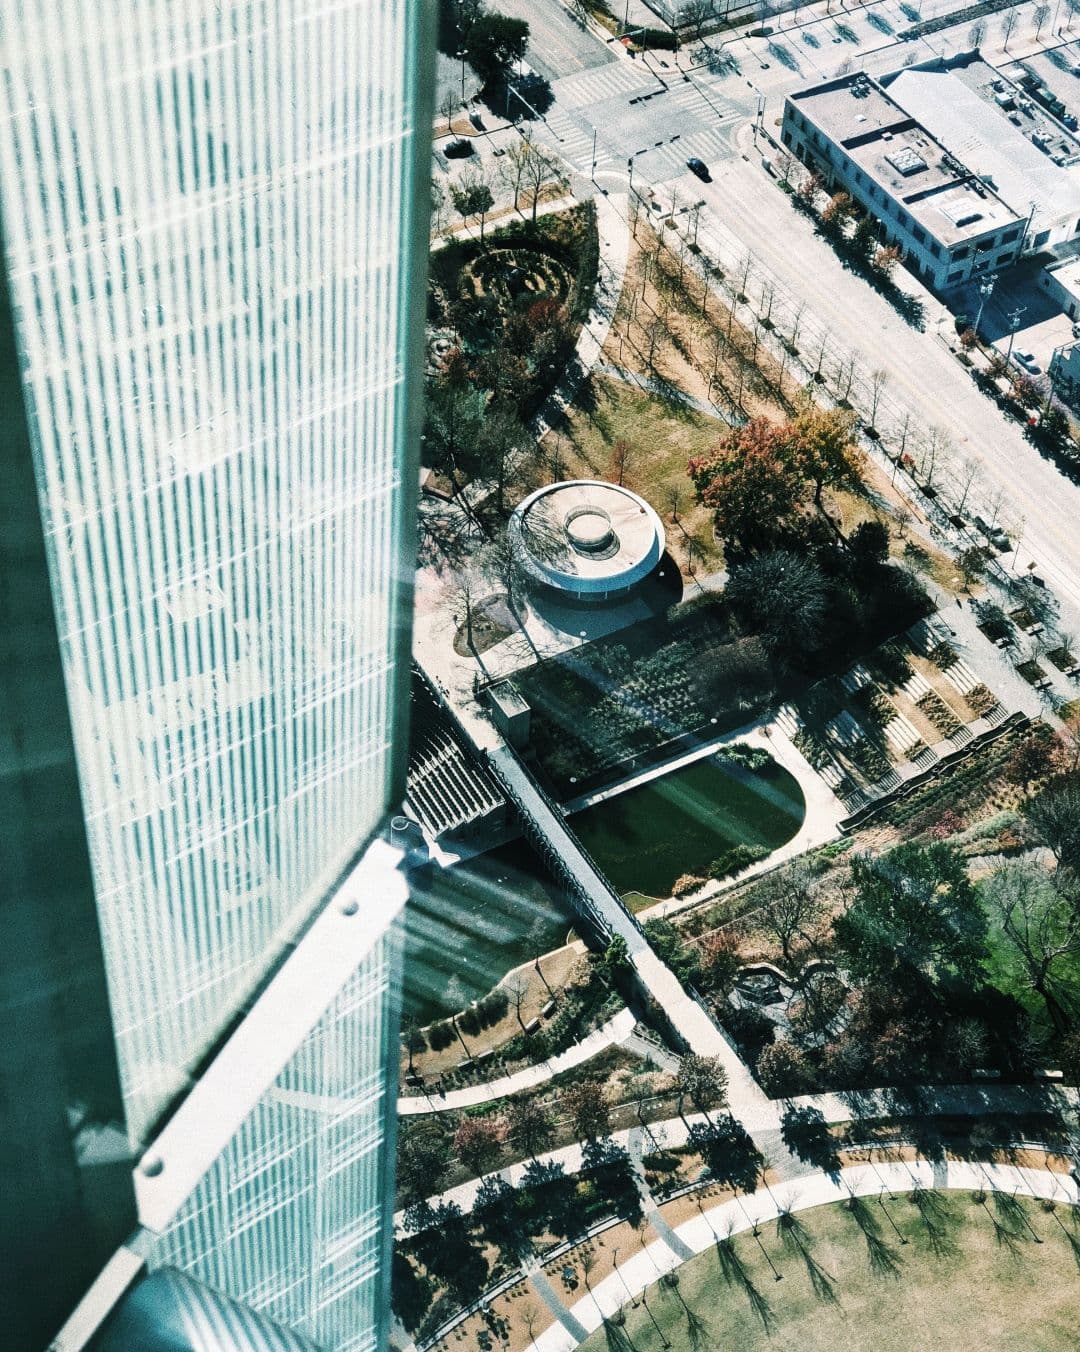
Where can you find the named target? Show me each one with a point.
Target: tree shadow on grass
(696, 1328)
(735, 1274)
(616, 1337)
(938, 1220)
(794, 1237)
(673, 400)
(884, 1260)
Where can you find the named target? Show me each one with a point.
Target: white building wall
(206, 212)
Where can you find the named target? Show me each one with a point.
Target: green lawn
(851, 1287)
(645, 838)
(467, 926)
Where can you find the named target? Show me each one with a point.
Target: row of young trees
(528, 1125)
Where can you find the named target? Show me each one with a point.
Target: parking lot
(1040, 324)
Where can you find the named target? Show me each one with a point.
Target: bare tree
(579, 10)
(933, 453)
(697, 15)
(976, 34)
(513, 164)
(768, 297)
(878, 380)
(440, 210)
(620, 458)
(823, 347)
(517, 988)
(1040, 14)
(796, 325)
(540, 171)
(530, 1313)
(1008, 23)
(845, 378)
(968, 473)
(1042, 926)
(746, 265)
(792, 901)
(447, 104)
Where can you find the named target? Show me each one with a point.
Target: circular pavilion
(585, 539)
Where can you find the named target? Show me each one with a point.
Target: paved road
(557, 44)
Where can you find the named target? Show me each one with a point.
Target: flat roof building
(953, 160)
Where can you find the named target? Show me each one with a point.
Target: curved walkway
(733, 1217)
(974, 1100)
(824, 811)
(613, 1032)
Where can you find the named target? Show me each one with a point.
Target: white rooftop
(988, 144)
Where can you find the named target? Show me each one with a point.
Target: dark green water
(467, 926)
(646, 838)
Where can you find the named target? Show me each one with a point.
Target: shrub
(750, 1028)
(741, 753)
(736, 858)
(782, 1069)
(440, 1036)
(980, 700)
(686, 883)
(943, 655)
(939, 713)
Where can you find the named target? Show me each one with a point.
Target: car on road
(993, 533)
(1026, 361)
(700, 168)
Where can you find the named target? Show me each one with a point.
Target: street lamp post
(1014, 324)
(986, 287)
(461, 58)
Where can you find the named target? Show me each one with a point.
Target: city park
(784, 715)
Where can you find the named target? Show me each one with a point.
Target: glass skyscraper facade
(215, 235)
(205, 205)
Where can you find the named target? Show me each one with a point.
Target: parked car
(1026, 361)
(993, 533)
(700, 168)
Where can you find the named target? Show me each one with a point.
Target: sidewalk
(694, 1236)
(613, 1032)
(973, 1100)
(614, 235)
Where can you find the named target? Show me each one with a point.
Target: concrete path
(568, 1324)
(691, 1021)
(611, 213)
(968, 1100)
(701, 1232)
(613, 1032)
